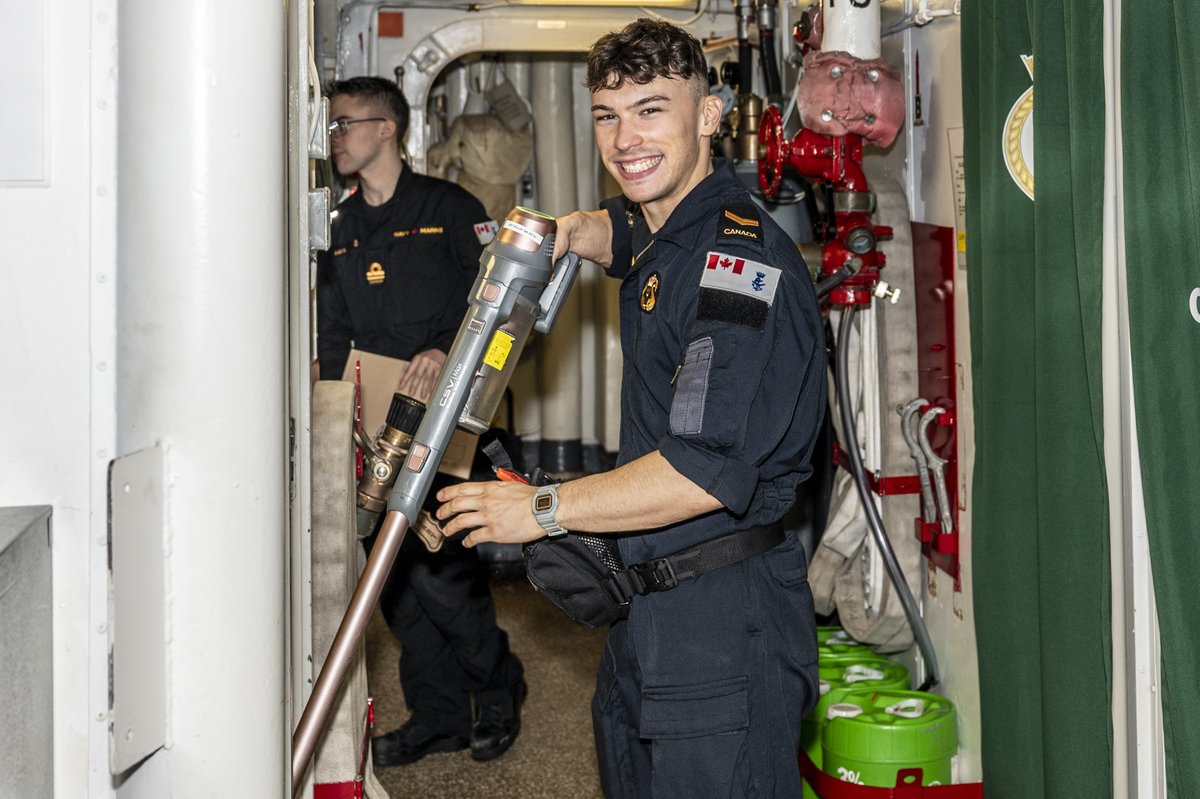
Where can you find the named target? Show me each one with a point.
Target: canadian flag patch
(730, 273)
(736, 290)
(486, 231)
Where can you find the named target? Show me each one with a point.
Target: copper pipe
(341, 653)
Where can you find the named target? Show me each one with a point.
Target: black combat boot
(497, 724)
(412, 742)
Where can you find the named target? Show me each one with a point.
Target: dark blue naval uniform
(701, 690)
(396, 277)
(395, 282)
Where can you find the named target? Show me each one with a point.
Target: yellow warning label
(962, 241)
(498, 350)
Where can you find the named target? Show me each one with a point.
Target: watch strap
(545, 508)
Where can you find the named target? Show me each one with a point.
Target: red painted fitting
(836, 160)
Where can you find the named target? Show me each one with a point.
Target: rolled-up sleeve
(746, 402)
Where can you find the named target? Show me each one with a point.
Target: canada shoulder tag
(739, 223)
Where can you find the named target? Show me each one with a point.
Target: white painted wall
(106, 352)
(57, 340)
(201, 327)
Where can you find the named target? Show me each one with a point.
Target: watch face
(543, 502)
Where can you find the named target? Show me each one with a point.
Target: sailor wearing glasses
(405, 250)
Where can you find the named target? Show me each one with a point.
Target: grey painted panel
(137, 632)
(26, 653)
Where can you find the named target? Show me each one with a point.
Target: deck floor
(554, 756)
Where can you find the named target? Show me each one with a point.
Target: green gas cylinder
(841, 673)
(869, 736)
(836, 641)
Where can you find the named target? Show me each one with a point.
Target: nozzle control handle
(405, 414)
(555, 293)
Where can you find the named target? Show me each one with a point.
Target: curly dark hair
(644, 50)
(383, 95)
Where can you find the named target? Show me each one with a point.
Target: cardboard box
(379, 376)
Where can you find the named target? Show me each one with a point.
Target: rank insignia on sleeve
(736, 290)
(650, 292)
(739, 223)
(486, 230)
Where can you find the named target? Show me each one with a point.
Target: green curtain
(1040, 519)
(1160, 120)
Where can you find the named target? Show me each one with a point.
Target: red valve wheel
(771, 151)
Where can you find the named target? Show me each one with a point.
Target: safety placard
(498, 350)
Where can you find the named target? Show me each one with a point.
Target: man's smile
(640, 165)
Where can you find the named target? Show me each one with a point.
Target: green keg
(838, 674)
(869, 736)
(836, 641)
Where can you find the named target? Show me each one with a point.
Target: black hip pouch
(585, 577)
(574, 571)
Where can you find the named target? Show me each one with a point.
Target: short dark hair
(381, 94)
(644, 50)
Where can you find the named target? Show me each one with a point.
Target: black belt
(663, 574)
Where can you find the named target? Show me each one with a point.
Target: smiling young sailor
(702, 687)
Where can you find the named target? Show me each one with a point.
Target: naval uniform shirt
(396, 279)
(724, 360)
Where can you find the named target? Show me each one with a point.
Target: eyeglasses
(340, 127)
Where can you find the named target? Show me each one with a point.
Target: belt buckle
(657, 575)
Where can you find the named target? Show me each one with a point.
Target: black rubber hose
(770, 67)
(842, 375)
(833, 281)
(745, 67)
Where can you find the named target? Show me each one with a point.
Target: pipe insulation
(560, 368)
(202, 349)
(523, 387)
(588, 284)
(852, 29)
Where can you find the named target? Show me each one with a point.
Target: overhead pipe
(851, 28)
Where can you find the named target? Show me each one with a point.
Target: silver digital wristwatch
(545, 506)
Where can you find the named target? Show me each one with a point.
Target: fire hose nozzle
(386, 455)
